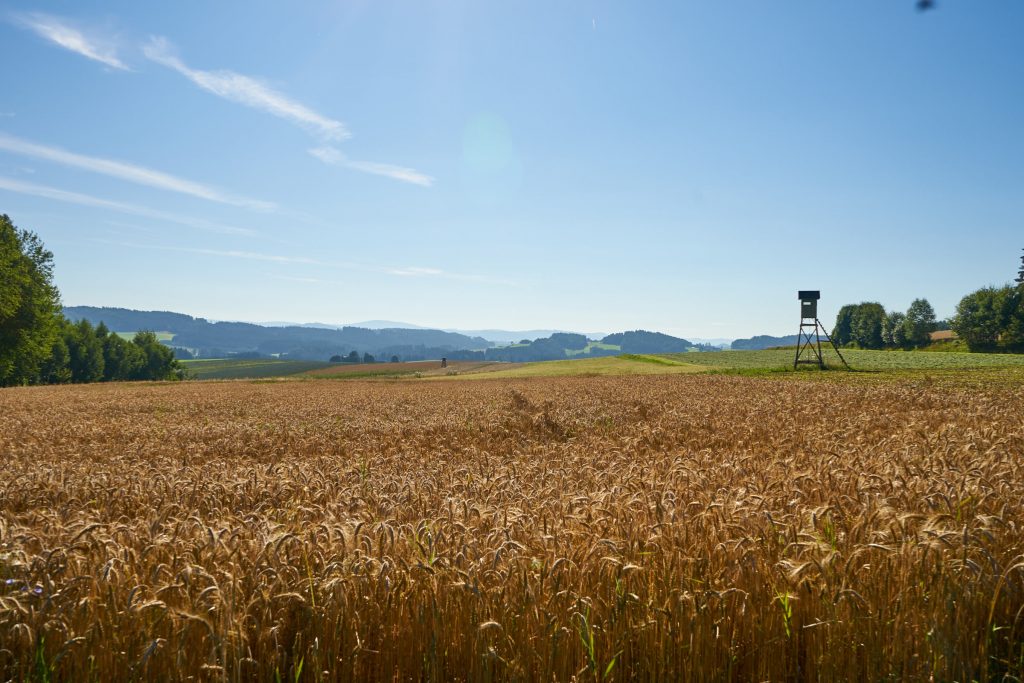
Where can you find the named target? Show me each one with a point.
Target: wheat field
(644, 528)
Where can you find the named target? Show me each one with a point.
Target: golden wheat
(631, 528)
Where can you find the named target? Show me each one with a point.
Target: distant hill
(562, 345)
(514, 336)
(387, 325)
(763, 341)
(282, 323)
(316, 341)
(720, 342)
(218, 339)
(493, 335)
(642, 341)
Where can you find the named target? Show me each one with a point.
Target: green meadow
(772, 359)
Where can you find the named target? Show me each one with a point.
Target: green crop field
(958, 368)
(231, 368)
(858, 360)
(607, 365)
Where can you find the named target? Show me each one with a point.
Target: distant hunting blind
(809, 303)
(808, 340)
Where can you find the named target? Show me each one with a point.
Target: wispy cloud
(31, 189)
(252, 92)
(410, 271)
(334, 156)
(225, 253)
(396, 172)
(328, 155)
(308, 280)
(248, 255)
(436, 273)
(439, 274)
(246, 90)
(417, 271)
(61, 32)
(130, 172)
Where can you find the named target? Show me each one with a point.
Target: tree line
(354, 357)
(867, 325)
(988, 319)
(992, 319)
(38, 345)
(83, 353)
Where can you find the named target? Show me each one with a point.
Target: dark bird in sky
(923, 5)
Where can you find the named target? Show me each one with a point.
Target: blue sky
(678, 166)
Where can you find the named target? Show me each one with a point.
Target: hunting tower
(808, 340)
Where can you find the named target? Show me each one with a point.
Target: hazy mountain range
(198, 337)
(496, 336)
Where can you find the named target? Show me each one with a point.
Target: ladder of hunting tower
(808, 341)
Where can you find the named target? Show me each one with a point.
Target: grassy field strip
(858, 359)
(608, 365)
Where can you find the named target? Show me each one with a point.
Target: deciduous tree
(158, 363)
(982, 316)
(866, 325)
(892, 330)
(842, 333)
(29, 305)
(86, 352)
(919, 323)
